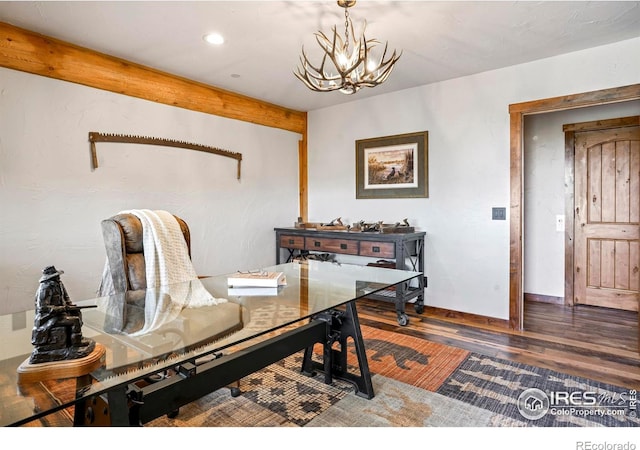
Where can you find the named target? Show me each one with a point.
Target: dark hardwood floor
(597, 343)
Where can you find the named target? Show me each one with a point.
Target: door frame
(517, 112)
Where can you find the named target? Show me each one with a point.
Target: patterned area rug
(504, 388)
(417, 383)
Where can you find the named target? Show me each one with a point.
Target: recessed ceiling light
(213, 38)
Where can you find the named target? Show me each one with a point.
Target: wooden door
(607, 216)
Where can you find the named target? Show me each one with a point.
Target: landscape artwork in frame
(393, 166)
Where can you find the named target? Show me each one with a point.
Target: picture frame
(393, 166)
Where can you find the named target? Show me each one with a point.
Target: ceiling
(438, 40)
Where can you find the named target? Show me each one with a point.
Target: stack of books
(261, 283)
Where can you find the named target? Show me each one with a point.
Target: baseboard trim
(544, 299)
(465, 318)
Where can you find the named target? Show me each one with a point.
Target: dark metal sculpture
(57, 328)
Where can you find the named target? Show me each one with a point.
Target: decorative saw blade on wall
(129, 139)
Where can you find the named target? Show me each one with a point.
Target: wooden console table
(406, 249)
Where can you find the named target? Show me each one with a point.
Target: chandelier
(347, 64)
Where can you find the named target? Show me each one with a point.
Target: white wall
(544, 192)
(467, 254)
(52, 202)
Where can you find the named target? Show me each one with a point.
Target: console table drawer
(296, 242)
(343, 246)
(377, 249)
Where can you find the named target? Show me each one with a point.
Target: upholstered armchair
(122, 235)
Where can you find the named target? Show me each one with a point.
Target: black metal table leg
(108, 409)
(342, 325)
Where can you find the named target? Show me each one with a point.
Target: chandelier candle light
(344, 68)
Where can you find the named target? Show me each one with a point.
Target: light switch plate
(498, 213)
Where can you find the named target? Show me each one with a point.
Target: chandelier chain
(346, 29)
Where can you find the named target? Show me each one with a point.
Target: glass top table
(147, 332)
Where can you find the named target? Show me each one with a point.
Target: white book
(254, 291)
(257, 279)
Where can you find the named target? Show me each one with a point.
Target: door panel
(607, 214)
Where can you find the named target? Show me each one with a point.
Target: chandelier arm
(324, 42)
(312, 86)
(392, 59)
(353, 34)
(321, 75)
(310, 79)
(384, 68)
(306, 63)
(379, 69)
(356, 63)
(365, 47)
(319, 78)
(388, 68)
(330, 50)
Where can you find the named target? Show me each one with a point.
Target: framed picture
(393, 166)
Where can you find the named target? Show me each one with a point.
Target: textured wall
(467, 254)
(52, 201)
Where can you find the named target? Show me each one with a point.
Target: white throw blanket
(168, 268)
(166, 255)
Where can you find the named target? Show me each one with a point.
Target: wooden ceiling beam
(34, 53)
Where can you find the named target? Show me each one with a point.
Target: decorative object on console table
(393, 166)
(59, 351)
(334, 225)
(257, 278)
(367, 227)
(381, 227)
